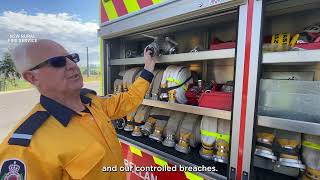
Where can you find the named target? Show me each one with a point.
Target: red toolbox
(308, 46)
(216, 100)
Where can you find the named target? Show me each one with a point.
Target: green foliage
(94, 69)
(8, 72)
(7, 68)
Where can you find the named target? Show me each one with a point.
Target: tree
(7, 69)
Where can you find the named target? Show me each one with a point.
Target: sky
(71, 23)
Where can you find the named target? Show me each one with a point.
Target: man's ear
(31, 77)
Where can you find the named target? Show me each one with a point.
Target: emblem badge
(13, 169)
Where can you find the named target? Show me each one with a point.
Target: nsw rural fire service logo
(13, 169)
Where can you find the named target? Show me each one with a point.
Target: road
(16, 104)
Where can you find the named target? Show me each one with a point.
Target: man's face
(48, 79)
(60, 80)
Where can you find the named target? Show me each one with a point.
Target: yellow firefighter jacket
(54, 142)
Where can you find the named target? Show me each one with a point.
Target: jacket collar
(60, 112)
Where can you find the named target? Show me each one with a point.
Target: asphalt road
(15, 105)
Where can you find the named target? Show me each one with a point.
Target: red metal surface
(245, 88)
(216, 100)
(308, 46)
(132, 159)
(103, 13)
(225, 45)
(120, 7)
(144, 3)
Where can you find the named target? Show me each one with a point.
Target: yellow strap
(294, 40)
(281, 39)
(313, 172)
(129, 118)
(224, 137)
(136, 151)
(131, 5)
(156, 1)
(192, 176)
(171, 79)
(110, 9)
(159, 161)
(311, 145)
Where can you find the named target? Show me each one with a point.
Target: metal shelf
(175, 12)
(189, 109)
(183, 57)
(290, 125)
(293, 57)
(281, 7)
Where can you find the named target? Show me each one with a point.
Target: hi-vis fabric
(140, 117)
(311, 155)
(209, 128)
(54, 142)
(129, 77)
(112, 9)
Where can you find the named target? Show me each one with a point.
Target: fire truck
(236, 91)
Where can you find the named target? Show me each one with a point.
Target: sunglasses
(58, 61)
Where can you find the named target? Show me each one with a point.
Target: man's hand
(149, 61)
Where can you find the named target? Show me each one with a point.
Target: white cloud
(66, 29)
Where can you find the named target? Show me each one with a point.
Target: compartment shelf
(305, 56)
(267, 121)
(172, 156)
(189, 109)
(183, 57)
(289, 124)
(293, 57)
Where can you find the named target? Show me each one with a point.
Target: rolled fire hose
(128, 78)
(167, 73)
(188, 133)
(311, 156)
(288, 148)
(170, 132)
(121, 73)
(137, 75)
(148, 93)
(222, 142)
(264, 144)
(117, 86)
(130, 120)
(156, 85)
(155, 123)
(139, 119)
(209, 128)
(162, 119)
(174, 84)
(147, 128)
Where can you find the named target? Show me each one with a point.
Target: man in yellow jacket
(69, 134)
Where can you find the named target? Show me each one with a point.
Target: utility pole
(88, 68)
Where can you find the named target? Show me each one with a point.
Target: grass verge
(22, 84)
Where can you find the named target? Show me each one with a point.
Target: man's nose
(70, 64)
